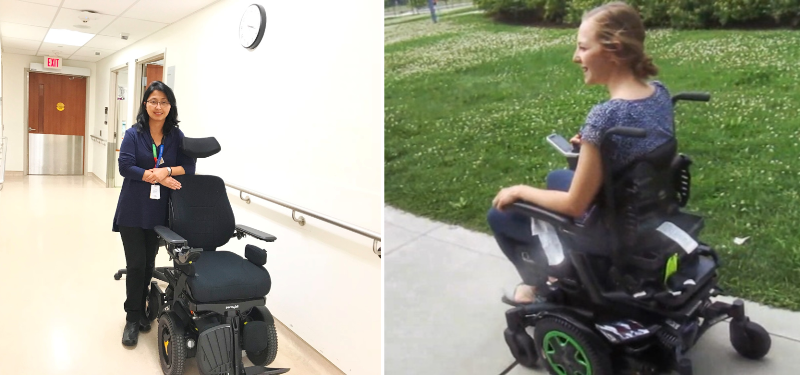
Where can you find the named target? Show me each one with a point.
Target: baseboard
(13, 173)
(300, 352)
(97, 178)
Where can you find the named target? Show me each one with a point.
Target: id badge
(155, 192)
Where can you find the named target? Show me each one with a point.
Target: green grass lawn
(468, 103)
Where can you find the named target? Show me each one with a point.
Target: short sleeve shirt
(654, 114)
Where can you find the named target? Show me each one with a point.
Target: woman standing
(149, 157)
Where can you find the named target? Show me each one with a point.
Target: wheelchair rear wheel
(266, 356)
(567, 349)
(171, 345)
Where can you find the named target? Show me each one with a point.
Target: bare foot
(525, 294)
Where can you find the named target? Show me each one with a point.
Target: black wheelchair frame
(217, 331)
(613, 331)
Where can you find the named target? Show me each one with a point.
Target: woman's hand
(160, 173)
(576, 140)
(149, 177)
(171, 183)
(505, 197)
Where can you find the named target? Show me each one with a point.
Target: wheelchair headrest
(200, 147)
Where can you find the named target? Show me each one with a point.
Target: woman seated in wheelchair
(610, 50)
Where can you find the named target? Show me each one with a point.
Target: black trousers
(140, 258)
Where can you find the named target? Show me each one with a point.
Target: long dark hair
(143, 119)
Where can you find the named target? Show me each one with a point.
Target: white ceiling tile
(165, 11)
(68, 18)
(86, 58)
(19, 51)
(20, 43)
(138, 29)
(27, 13)
(89, 51)
(107, 42)
(53, 3)
(47, 49)
(15, 30)
(114, 8)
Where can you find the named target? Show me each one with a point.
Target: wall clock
(252, 25)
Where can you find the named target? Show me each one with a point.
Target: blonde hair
(618, 22)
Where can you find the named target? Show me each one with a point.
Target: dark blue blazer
(135, 208)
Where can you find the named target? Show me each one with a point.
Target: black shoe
(130, 335)
(144, 324)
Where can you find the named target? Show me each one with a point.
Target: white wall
(2, 130)
(14, 105)
(299, 118)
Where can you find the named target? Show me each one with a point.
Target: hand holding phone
(561, 144)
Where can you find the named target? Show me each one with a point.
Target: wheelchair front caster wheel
(522, 347)
(117, 276)
(749, 339)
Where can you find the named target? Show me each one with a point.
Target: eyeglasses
(155, 103)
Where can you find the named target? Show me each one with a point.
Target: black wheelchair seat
(225, 276)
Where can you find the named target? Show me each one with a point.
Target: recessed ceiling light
(68, 37)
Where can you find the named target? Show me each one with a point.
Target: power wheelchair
(214, 305)
(633, 293)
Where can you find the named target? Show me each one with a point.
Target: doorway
(152, 71)
(119, 122)
(56, 124)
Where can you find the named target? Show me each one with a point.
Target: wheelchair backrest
(200, 210)
(201, 213)
(645, 193)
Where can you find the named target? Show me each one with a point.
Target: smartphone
(562, 145)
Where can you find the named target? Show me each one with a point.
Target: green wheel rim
(565, 355)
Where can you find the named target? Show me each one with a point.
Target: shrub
(680, 14)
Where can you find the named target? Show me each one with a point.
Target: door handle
(31, 129)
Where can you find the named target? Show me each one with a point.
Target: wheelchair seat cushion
(225, 276)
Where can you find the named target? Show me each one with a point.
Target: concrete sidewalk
(443, 314)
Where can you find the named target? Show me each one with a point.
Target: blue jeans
(512, 231)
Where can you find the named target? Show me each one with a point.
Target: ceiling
(25, 23)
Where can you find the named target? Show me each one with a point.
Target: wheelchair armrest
(255, 255)
(170, 237)
(536, 212)
(241, 230)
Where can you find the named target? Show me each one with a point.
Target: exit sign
(52, 62)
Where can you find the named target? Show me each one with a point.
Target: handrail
(98, 139)
(301, 220)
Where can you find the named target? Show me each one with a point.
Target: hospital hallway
(62, 310)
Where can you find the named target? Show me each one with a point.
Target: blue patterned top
(654, 114)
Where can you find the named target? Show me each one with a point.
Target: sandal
(509, 294)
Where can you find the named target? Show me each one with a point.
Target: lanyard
(160, 153)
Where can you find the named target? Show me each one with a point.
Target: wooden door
(57, 105)
(154, 73)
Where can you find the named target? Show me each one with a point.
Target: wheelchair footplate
(214, 346)
(265, 370)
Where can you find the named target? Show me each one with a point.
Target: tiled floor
(60, 307)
